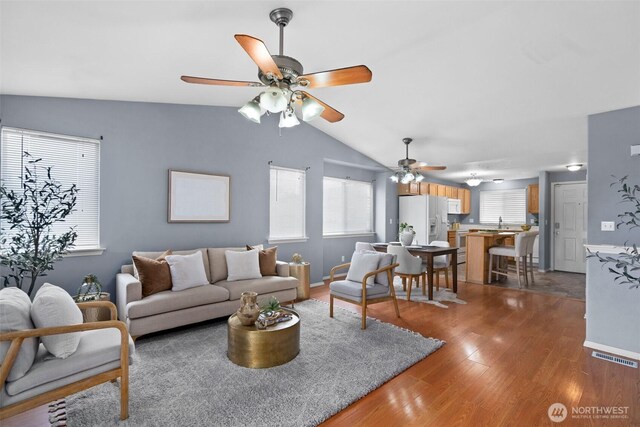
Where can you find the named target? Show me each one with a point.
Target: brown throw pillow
(154, 274)
(267, 259)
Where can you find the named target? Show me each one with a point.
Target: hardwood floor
(509, 356)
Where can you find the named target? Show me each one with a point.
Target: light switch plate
(607, 226)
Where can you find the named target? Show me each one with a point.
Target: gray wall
(474, 216)
(613, 310)
(143, 140)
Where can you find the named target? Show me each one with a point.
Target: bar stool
(518, 251)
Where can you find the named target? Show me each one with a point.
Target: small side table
(302, 272)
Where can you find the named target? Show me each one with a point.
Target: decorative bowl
(525, 227)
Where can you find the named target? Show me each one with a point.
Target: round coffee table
(251, 347)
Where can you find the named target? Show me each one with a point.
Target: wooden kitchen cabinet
(533, 200)
(424, 188)
(442, 190)
(410, 189)
(452, 192)
(464, 194)
(451, 237)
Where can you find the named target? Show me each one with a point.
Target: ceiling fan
(410, 169)
(284, 79)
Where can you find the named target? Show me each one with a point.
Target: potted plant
(406, 234)
(28, 246)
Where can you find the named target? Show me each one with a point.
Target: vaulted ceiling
(502, 89)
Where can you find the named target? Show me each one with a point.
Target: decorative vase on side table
(302, 272)
(249, 310)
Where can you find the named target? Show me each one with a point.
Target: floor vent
(615, 359)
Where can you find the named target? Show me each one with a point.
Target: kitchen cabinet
(410, 189)
(433, 189)
(424, 188)
(442, 190)
(452, 192)
(451, 237)
(533, 200)
(465, 197)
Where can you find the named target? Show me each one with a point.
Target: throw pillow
(267, 260)
(361, 264)
(154, 274)
(53, 306)
(243, 265)
(15, 315)
(385, 260)
(187, 271)
(148, 255)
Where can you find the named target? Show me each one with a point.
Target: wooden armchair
(15, 403)
(360, 293)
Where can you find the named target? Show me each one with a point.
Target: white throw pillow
(361, 264)
(15, 315)
(243, 265)
(187, 271)
(53, 306)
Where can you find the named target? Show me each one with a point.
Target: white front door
(569, 226)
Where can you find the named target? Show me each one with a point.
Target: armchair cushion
(353, 290)
(361, 264)
(15, 315)
(53, 306)
(385, 261)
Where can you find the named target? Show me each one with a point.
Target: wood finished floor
(509, 355)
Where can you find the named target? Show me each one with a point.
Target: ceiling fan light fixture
(574, 167)
(474, 181)
(273, 100)
(252, 111)
(395, 177)
(419, 177)
(311, 109)
(288, 119)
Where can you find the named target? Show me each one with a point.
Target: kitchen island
(478, 244)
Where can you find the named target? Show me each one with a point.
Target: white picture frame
(198, 197)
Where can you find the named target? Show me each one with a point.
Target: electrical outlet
(342, 258)
(471, 220)
(533, 221)
(607, 226)
(390, 220)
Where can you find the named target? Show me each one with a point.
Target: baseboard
(612, 350)
(313, 285)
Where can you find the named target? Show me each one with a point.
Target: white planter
(406, 237)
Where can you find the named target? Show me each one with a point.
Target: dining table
(427, 253)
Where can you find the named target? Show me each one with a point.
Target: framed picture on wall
(198, 197)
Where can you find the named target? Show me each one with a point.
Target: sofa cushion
(167, 301)
(96, 348)
(267, 259)
(263, 285)
(53, 306)
(15, 315)
(218, 263)
(154, 255)
(187, 271)
(243, 265)
(354, 289)
(154, 274)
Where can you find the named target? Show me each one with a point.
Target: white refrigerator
(427, 215)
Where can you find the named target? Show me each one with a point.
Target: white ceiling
(502, 89)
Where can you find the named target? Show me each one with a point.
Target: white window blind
(511, 205)
(287, 204)
(74, 161)
(347, 207)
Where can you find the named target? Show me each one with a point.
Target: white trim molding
(315, 285)
(613, 350)
(607, 249)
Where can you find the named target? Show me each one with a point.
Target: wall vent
(615, 359)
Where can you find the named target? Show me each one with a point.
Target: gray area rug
(184, 378)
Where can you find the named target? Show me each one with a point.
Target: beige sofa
(168, 309)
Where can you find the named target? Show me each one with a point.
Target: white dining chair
(518, 251)
(441, 264)
(409, 268)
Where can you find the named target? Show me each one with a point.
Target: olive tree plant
(28, 248)
(625, 266)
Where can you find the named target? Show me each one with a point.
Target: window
(508, 204)
(74, 161)
(287, 204)
(347, 207)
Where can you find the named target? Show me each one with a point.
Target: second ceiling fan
(409, 170)
(284, 79)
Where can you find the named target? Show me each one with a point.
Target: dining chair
(369, 281)
(409, 268)
(441, 264)
(518, 251)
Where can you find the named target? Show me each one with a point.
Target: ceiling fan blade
(330, 114)
(218, 82)
(259, 53)
(429, 168)
(341, 76)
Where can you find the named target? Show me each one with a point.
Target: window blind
(287, 204)
(347, 207)
(511, 205)
(73, 160)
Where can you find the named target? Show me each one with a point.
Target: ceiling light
(574, 167)
(273, 100)
(252, 111)
(419, 177)
(288, 119)
(474, 181)
(311, 109)
(498, 181)
(395, 177)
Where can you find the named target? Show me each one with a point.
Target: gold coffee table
(251, 347)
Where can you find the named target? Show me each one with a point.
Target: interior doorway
(569, 225)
